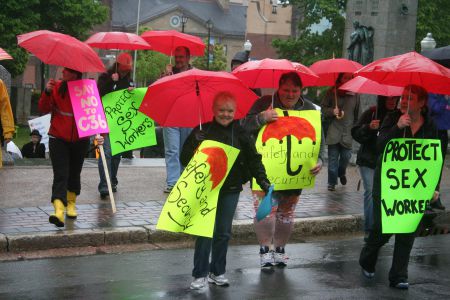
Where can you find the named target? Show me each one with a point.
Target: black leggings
(67, 161)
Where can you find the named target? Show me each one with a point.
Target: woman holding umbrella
(67, 150)
(365, 132)
(277, 227)
(248, 164)
(341, 110)
(411, 121)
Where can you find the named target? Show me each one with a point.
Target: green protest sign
(409, 174)
(191, 206)
(128, 128)
(290, 149)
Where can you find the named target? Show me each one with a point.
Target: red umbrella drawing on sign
(218, 162)
(288, 126)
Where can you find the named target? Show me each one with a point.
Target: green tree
(16, 17)
(75, 18)
(149, 66)
(434, 17)
(310, 46)
(218, 60)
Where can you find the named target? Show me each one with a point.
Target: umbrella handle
(340, 116)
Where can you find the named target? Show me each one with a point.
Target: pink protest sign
(87, 107)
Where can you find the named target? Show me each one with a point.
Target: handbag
(265, 207)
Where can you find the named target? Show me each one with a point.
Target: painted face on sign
(224, 109)
(289, 94)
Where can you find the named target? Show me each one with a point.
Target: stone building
(228, 19)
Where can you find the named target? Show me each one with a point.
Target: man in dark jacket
(34, 149)
(117, 78)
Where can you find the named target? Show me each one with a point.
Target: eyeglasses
(180, 56)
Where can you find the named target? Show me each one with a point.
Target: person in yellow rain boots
(57, 217)
(71, 208)
(67, 149)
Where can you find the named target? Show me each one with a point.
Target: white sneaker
(219, 280)
(267, 259)
(198, 283)
(280, 259)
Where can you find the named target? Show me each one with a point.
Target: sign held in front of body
(87, 107)
(290, 149)
(409, 175)
(191, 205)
(129, 128)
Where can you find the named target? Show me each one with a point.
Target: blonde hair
(224, 95)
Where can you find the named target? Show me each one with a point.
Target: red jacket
(62, 124)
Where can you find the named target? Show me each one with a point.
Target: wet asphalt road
(316, 270)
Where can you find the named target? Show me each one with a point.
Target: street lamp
(428, 43)
(184, 20)
(247, 48)
(209, 25)
(274, 6)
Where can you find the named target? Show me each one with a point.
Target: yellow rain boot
(71, 208)
(58, 217)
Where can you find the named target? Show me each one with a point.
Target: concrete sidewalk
(25, 191)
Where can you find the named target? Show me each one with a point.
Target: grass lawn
(22, 136)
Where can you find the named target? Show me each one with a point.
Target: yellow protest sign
(290, 148)
(191, 206)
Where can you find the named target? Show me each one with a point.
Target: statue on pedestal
(361, 44)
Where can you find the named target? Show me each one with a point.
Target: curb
(242, 233)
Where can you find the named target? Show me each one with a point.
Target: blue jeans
(113, 166)
(338, 159)
(226, 206)
(367, 179)
(174, 138)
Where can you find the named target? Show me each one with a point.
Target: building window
(175, 21)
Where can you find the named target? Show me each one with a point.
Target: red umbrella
(4, 55)
(364, 85)
(329, 69)
(266, 73)
(165, 41)
(409, 68)
(306, 80)
(62, 50)
(185, 99)
(117, 40)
